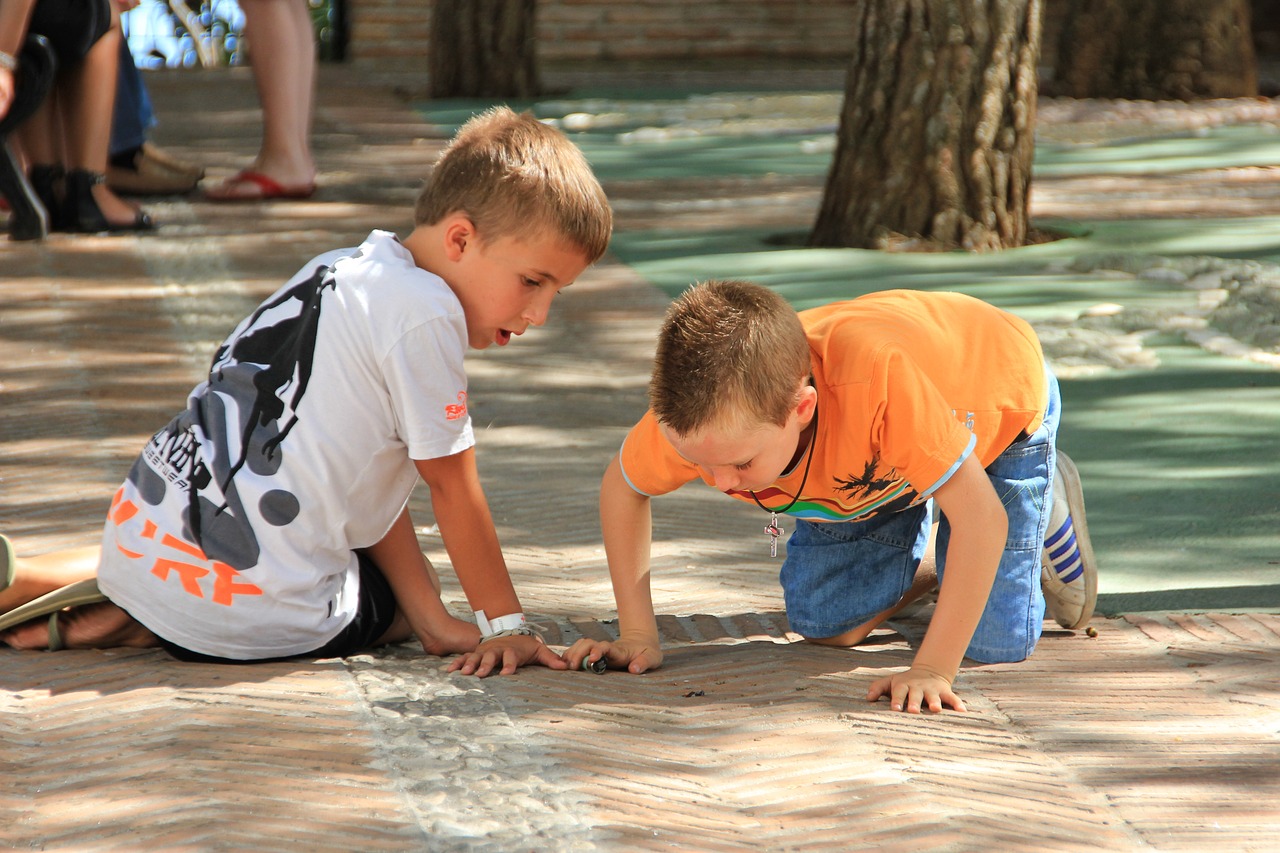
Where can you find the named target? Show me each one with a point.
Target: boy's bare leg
(400, 629)
(419, 610)
(34, 576)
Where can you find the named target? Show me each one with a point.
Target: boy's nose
(726, 478)
(538, 310)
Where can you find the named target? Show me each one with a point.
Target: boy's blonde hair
(515, 176)
(730, 354)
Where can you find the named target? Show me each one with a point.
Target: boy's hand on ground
(915, 689)
(633, 656)
(508, 652)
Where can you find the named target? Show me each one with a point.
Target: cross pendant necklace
(773, 531)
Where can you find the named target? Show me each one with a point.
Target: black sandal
(80, 211)
(46, 181)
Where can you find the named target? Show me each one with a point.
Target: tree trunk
(937, 128)
(1157, 50)
(483, 49)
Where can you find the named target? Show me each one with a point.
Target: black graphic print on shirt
(872, 484)
(256, 384)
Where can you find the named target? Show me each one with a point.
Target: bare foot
(289, 171)
(249, 185)
(93, 626)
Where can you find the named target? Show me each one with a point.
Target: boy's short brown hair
(730, 353)
(514, 175)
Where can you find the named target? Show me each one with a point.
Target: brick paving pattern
(1159, 733)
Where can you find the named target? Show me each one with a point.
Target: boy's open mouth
(503, 337)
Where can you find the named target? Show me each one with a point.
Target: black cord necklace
(773, 530)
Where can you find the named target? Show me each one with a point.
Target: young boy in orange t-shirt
(858, 419)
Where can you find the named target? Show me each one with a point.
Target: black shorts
(71, 26)
(375, 612)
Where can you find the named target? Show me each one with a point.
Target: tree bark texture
(483, 49)
(1156, 50)
(937, 128)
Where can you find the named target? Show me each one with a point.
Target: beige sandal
(52, 604)
(8, 562)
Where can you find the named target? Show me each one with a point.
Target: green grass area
(1181, 462)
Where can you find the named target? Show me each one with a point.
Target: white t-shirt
(233, 534)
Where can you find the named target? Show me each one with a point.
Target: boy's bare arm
(979, 528)
(627, 525)
(466, 526)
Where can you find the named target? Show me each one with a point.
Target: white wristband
(489, 627)
(522, 631)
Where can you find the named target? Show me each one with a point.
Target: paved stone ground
(1159, 733)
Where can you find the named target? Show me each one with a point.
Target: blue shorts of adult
(838, 576)
(375, 613)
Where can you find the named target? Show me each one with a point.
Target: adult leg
(39, 145)
(39, 137)
(283, 55)
(86, 101)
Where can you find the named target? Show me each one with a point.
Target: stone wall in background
(391, 35)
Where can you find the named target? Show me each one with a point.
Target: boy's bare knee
(399, 631)
(849, 638)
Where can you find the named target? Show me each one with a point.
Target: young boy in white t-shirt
(269, 519)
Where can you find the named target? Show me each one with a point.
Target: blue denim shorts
(839, 575)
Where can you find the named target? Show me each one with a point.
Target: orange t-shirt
(909, 384)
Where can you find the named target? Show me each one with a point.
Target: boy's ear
(459, 233)
(807, 404)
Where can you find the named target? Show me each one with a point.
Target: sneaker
(1068, 570)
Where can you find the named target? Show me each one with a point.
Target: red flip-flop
(234, 188)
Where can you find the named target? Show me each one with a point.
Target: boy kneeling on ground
(866, 421)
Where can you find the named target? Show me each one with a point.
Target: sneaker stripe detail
(1064, 553)
(1065, 530)
(1070, 570)
(1077, 573)
(1066, 548)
